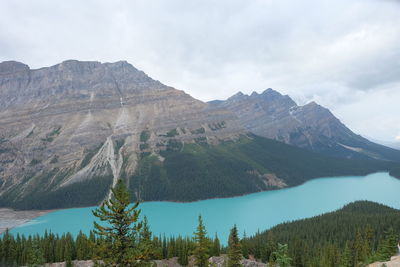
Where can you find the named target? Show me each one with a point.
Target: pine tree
(359, 247)
(388, 246)
(69, 247)
(281, 256)
(91, 244)
(234, 249)
(146, 245)
(245, 248)
(171, 248)
(183, 253)
(298, 253)
(369, 239)
(9, 247)
(346, 257)
(82, 247)
(216, 246)
(164, 247)
(202, 246)
(118, 247)
(37, 258)
(268, 248)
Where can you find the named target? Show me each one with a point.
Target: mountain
(69, 131)
(311, 126)
(82, 122)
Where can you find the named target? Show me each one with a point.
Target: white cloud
(343, 54)
(373, 113)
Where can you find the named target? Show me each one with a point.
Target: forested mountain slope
(196, 171)
(361, 232)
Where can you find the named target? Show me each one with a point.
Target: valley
(69, 131)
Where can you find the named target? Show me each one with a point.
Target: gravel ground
(394, 262)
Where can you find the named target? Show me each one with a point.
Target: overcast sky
(343, 54)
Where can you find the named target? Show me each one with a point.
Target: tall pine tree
(216, 246)
(118, 247)
(281, 256)
(202, 245)
(146, 245)
(234, 249)
(388, 246)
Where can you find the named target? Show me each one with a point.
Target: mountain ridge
(82, 125)
(311, 126)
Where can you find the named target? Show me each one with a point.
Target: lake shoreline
(261, 210)
(193, 201)
(10, 218)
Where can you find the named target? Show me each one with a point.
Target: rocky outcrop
(221, 261)
(394, 262)
(173, 262)
(75, 263)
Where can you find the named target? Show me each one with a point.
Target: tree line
(124, 240)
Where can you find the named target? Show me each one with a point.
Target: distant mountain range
(311, 126)
(391, 144)
(68, 131)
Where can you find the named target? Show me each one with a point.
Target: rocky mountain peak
(317, 109)
(268, 97)
(71, 79)
(273, 95)
(7, 67)
(271, 91)
(313, 104)
(254, 94)
(236, 97)
(76, 66)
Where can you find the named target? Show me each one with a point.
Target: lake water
(258, 211)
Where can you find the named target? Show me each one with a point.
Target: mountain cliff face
(78, 120)
(311, 126)
(68, 131)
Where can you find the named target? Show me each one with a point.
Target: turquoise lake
(258, 211)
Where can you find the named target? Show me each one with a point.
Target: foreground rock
(394, 262)
(74, 263)
(173, 262)
(221, 262)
